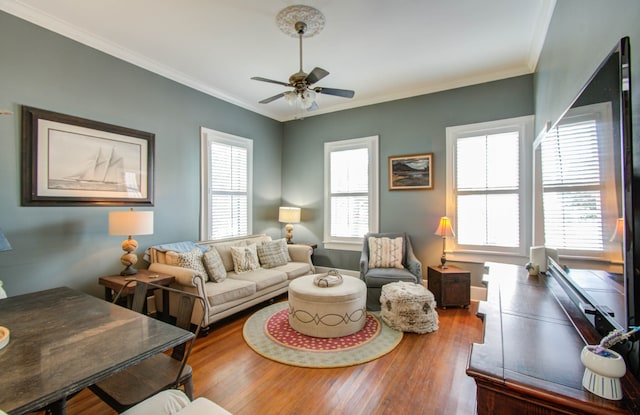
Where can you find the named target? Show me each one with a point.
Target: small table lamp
(444, 230)
(289, 215)
(130, 223)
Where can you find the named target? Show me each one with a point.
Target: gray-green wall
(69, 245)
(408, 126)
(55, 246)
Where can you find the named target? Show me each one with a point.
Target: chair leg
(188, 388)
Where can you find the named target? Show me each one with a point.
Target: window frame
(371, 143)
(207, 137)
(602, 113)
(524, 126)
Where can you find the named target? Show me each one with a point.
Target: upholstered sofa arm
(184, 276)
(300, 253)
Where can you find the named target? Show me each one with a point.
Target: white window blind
(227, 182)
(351, 192)
(487, 189)
(572, 185)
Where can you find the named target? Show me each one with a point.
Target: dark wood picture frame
(411, 172)
(72, 161)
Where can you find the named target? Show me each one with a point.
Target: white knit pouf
(333, 311)
(409, 307)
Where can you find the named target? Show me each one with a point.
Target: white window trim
(207, 136)
(525, 127)
(352, 244)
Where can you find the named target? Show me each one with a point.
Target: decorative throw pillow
(191, 259)
(245, 258)
(273, 253)
(385, 252)
(214, 265)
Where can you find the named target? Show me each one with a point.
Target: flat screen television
(611, 300)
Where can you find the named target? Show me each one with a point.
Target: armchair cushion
(386, 252)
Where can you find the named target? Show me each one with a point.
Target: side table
(114, 283)
(450, 286)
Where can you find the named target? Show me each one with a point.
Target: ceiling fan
(301, 82)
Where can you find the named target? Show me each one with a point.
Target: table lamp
(444, 230)
(289, 215)
(130, 223)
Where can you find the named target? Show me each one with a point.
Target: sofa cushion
(191, 259)
(377, 277)
(385, 252)
(229, 290)
(273, 253)
(261, 277)
(245, 258)
(214, 266)
(294, 269)
(224, 249)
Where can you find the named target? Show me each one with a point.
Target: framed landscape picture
(71, 161)
(411, 172)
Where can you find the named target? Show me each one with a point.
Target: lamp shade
(4, 242)
(444, 228)
(289, 214)
(130, 223)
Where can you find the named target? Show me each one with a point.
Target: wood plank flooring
(424, 374)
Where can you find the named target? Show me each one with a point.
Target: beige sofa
(239, 290)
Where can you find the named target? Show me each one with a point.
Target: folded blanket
(184, 246)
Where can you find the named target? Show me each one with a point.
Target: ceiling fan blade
(258, 78)
(273, 98)
(316, 75)
(345, 93)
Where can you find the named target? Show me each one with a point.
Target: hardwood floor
(425, 374)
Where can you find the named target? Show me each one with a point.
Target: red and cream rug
(269, 334)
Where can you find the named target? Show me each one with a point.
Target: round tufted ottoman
(333, 311)
(410, 307)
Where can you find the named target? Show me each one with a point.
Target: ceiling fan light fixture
(291, 97)
(307, 98)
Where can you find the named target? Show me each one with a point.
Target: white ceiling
(382, 49)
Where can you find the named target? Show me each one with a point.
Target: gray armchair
(375, 278)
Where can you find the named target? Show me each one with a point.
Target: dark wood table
(529, 361)
(114, 283)
(63, 340)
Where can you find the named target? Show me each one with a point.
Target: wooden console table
(529, 362)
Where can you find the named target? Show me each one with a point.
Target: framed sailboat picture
(69, 161)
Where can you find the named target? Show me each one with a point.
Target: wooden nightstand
(114, 283)
(450, 286)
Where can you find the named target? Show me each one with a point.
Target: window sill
(343, 246)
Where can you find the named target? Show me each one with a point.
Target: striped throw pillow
(385, 252)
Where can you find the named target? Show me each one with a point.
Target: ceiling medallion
(289, 16)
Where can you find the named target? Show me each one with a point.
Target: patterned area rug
(269, 334)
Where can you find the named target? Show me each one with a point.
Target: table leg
(57, 407)
(108, 294)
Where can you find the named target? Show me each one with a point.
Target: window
(487, 186)
(578, 184)
(226, 177)
(351, 192)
